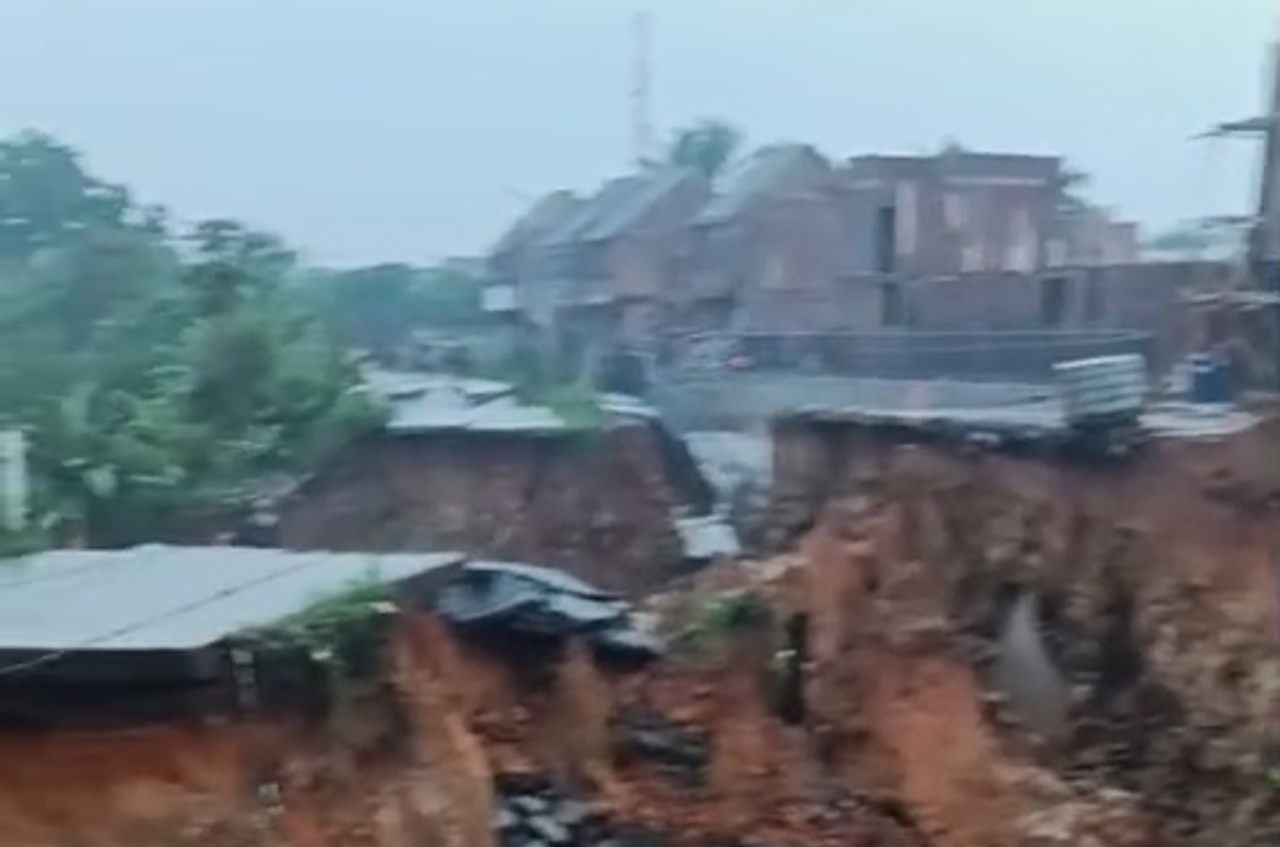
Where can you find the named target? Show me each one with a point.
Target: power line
(55, 655)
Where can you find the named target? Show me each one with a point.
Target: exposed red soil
(899, 573)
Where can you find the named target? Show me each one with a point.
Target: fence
(997, 356)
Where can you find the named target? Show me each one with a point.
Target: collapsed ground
(873, 684)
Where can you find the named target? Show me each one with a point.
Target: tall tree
(47, 199)
(707, 146)
(154, 375)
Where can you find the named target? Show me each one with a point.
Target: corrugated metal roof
(612, 194)
(176, 598)
(421, 403)
(529, 600)
(394, 385)
(631, 206)
(445, 409)
(545, 215)
(753, 175)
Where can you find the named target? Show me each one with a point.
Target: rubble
(526, 601)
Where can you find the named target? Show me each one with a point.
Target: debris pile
(528, 601)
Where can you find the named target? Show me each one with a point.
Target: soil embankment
(846, 691)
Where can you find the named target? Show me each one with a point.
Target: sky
(412, 130)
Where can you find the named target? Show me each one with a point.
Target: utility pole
(641, 128)
(1264, 252)
(1263, 236)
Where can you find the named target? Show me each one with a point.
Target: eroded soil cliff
(848, 691)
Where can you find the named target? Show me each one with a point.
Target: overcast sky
(372, 130)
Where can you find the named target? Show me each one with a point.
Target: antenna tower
(641, 129)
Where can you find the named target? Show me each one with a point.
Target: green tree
(707, 146)
(47, 199)
(156, 376)
(377, 308)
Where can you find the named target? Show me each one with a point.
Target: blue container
(1210, 380)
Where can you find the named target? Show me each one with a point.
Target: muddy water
(1035, 688)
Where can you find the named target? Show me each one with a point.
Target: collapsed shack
(165, 695)
(465, 465)
(520, 607)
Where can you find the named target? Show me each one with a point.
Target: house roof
(161, 598)
(630, 208)
(757, 173)
(619, 204)
(611, 195)
(543, 216)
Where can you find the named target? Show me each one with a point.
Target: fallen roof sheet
(519, 599)
(177, 598)
(708, 537)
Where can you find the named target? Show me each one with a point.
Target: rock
(549, 829)
(528, 805)
(572, 813)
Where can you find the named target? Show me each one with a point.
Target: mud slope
(1152, 591)
(911, 571)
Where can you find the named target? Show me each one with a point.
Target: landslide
(856, 690)
(1147, 579)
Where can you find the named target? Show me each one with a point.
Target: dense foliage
(708, 146)
(157, 371)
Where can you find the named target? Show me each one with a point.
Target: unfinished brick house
(513, 261)
(955, 211)
(600, 275)
(775, 228)
(787, 243)
(965, 211)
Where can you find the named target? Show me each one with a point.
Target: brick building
(775, 225)
(787, 241)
